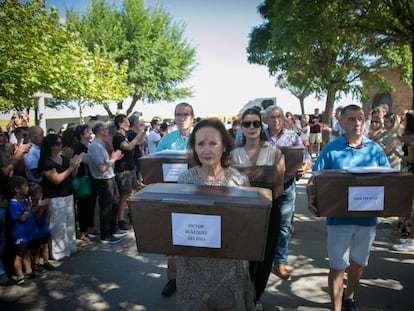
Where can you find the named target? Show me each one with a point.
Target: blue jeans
(2, 236)
(286, 202)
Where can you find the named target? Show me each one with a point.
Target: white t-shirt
(153, 138)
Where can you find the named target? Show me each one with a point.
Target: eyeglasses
(58, 143)
(274, 117)
(182, 115)
(256, 124)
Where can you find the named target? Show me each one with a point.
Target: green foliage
(38, 54)
(29, 39)
(100, 57)
(159, 58)
(328, 46)
(391, 24)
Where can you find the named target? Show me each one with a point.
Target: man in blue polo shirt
(176, 140)
(349, 240)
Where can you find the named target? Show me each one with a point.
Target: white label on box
(362, 199)
(171, 171)
(196, 230)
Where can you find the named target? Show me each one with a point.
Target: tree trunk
(108, 110)
(134, 101)
(412, 73)
(302, 104)
(330, 100)
(81, 111)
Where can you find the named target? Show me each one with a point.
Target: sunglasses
(256, 124)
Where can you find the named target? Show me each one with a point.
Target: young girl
(22, 225)
(41, 212)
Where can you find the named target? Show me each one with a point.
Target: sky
(223, 81)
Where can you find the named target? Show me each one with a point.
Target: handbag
(82, 185)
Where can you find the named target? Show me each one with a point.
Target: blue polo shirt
(173, 141)
(337, 155)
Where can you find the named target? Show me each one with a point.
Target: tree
(29, 39)
(39, 54)
(391, 22)
(159, 58)
(312, 37)
(93, 78)
(301, 90)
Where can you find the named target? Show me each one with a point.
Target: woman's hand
(75, 161)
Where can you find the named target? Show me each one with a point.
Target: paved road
(116, 277)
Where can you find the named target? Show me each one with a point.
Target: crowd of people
(42, 207)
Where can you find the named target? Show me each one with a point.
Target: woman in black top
(57, 172)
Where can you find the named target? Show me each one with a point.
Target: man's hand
(302, 170)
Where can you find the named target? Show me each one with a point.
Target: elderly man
(279, 135)
(31, 159)
(101, 166)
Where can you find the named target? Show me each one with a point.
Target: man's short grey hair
(134, 118)
(269, 109)
(97, 126)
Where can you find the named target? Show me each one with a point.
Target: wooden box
(262, 176)
(201, 221)
(293, 159)
(345, 194)
(164, 166)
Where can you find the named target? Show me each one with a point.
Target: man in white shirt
(31, 158)
(154, 137)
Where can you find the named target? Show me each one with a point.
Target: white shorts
(347, 242)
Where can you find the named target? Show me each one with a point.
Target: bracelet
(26, 213)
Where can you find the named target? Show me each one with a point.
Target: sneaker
(406, 246)
(120, 233)
(349, 305)
(123, 225)
(23, 282)
(111, 240)
(30, 276)
(38, 268)
(48, 266)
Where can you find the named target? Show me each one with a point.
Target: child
(41, 212)
(23, 227)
